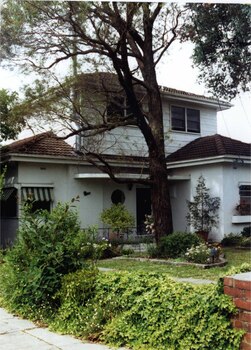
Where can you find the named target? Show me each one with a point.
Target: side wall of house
(223, 181)
(213, 175)
(234, 176)
(129, 140)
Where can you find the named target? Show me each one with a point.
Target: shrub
(203, 210)
(127, 251)
(49, 246)
(152, 251)
(246, 232)
(199, 254)
(76, 291)
(246, 242)
(232, 239)
(147, 311)
(176, 244)
(117, 217)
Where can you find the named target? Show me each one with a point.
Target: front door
(143, 203)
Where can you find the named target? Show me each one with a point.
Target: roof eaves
(186, 96)
(207, 160)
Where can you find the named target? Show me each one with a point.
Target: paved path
(178, 279)
(19, 334)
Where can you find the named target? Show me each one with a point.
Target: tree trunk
(161, 206)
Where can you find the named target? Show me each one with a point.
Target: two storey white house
(52, 171)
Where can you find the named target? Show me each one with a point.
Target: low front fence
(129, 235)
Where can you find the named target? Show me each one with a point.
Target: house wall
(232, 179)
(178, 139)
(67, 187)
(179, 194)
(40, 173)
(129, 140)
(223, 181)
(213, 175)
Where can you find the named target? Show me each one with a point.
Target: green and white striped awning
(43, 194)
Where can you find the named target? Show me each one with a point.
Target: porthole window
(118, 196)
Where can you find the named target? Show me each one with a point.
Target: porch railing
(128, 235)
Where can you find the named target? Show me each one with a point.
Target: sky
(175, 71)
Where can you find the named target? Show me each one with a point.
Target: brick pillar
(239, 288)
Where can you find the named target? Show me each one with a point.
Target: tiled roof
(104, 79)
(43, 144)
(172, 91)
(211, 146)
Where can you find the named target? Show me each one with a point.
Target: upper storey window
(118, 107)
(185, 119)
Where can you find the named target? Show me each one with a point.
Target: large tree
(128, 39)
(222, 37)
(10, 124)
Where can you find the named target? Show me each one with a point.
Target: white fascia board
(205, 161)
(65, 160)
(126, 176)
(106, 176)
(44, 159)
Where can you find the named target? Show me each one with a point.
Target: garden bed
(221, 263)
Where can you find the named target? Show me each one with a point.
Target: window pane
(178, 118)
(193, 120)
(115, 108)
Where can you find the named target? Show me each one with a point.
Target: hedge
(145, 311)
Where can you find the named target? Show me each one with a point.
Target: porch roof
(209, 147)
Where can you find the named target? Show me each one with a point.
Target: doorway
(143, 205)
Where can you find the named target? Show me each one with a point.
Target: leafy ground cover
(235, 258)
(145, 311)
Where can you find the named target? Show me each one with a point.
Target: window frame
(244, 206)
(186, 127)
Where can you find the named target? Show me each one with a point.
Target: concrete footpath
(19, 334)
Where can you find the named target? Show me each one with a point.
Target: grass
(234, 257)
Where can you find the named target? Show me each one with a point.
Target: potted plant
(202, 211)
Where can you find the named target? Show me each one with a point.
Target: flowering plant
(199, 254)
(204, 253)
(149, 224)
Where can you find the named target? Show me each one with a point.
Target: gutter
(208, 160)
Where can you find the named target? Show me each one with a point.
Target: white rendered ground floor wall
(94, 191)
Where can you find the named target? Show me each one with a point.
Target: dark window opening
(9, 203)
(185, 119)
(39, 205)
(115, 108)
(178, 118)
(244, 208)
(117, 197)
(119, 107)
(193, 120)
(40, 198)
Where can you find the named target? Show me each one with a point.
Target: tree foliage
(10, 124)
(202, 211)
(127, 39)
(222, 37)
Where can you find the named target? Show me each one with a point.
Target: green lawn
(234, 257)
